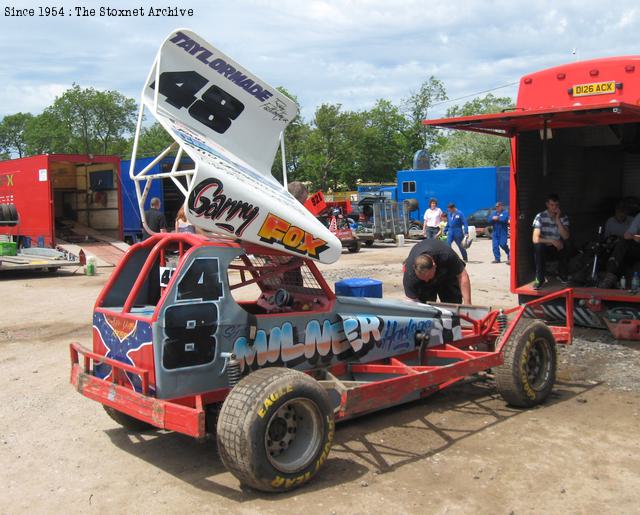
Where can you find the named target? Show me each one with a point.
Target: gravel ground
(597, 356)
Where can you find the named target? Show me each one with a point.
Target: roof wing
(230, 123)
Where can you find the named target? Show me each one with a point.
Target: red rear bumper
(164, 414)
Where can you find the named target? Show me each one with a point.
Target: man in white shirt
(431, 220)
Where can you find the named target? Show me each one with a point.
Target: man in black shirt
(155, 219)
(433, 268)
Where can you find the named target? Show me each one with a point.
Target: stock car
(247, 343)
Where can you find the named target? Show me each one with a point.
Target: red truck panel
(552, 88)
(21, 185)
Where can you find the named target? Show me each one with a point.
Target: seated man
(550, 240)
(618, 224)
(627, 248)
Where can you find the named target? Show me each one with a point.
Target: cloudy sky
(344, 51)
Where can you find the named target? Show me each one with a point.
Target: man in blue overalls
(499, 219)
(456, 229)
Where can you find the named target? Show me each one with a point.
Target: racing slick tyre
(275, 429)
(126, 421)
(488, 231)
(13, 213)
(368, 243)
(355, 247)
(528, 373)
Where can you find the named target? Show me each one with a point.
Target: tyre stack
(8, 215)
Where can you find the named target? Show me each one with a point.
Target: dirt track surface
(460, 451)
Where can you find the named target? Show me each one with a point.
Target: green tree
(153, 140)
(85, 121)
(417, 107)
(12, 134)
(45, 135)
(470, 149)
(115, 117)
(296, 135)
(329, 154)
(384, 147)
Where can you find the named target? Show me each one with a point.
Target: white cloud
(28, 98)
(347, 51)
(628, 18)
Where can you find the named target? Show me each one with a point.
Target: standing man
(550, 240)
(434, 269)
(155, 219)
(456, 229)
(432, 215)
(499, 219)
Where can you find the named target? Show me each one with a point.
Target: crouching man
(434, 269)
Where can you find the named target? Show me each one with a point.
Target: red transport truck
(51, 191)
(575, 131)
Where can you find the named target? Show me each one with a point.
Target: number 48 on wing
(215, 108)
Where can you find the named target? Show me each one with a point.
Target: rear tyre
(368, 243)
(126, 421)
(355, 247)
(275, 429)
(488, 231)
(5, 215)
(13, 213)
(528, 373)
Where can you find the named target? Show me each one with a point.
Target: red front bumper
(164, 414)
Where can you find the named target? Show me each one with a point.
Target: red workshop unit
(62, 197)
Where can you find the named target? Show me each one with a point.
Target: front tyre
(355, 247)
(275, 429)
(528, 373)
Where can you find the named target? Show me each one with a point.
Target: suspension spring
(502, 321)
(233, 371)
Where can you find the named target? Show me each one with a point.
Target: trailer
(380, 218)
(54, 194)
(170, 197)
(49, 260)
(575, 132)
(469, 189)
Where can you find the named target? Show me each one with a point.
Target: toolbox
(623, 323)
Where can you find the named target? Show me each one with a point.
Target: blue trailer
(166, 191)
(469, 189)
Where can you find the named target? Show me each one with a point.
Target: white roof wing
(229, 122)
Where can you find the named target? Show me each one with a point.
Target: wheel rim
(293, 435)
(538, 364)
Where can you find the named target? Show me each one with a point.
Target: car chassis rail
(375, 385)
